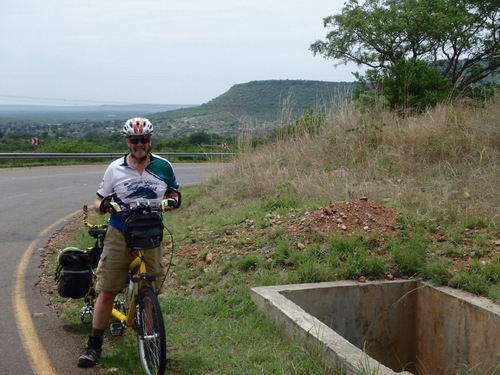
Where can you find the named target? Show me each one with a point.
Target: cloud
(174, 51)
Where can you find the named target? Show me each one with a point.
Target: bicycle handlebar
(140, 207)
(146, 206)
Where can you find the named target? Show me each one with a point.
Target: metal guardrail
(36, 155)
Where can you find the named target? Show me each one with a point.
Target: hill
(257, 106)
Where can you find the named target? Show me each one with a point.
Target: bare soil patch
(355, 216)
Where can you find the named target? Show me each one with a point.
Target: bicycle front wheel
(151, 340)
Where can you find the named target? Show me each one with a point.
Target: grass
(225, 334)
(440, 170)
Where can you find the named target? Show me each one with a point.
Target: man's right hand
(105, 205)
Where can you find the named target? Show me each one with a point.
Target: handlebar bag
(73, 273)
(143, 231)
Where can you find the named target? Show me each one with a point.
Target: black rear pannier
(73, 273)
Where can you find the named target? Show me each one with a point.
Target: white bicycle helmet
(138, 126)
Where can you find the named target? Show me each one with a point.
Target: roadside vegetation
(440, 170)
(95, 142)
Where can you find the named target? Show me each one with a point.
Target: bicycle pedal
(86, 311)
(117, 329)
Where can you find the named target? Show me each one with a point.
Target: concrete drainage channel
(395, 327)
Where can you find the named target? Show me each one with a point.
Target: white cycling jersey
(125, 184)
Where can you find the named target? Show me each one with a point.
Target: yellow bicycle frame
(138, 262)
(129, 318)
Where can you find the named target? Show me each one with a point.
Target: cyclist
(139, 175)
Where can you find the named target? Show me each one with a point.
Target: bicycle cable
(171, 256)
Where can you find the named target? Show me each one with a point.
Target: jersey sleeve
(172, 180)
(106, 187)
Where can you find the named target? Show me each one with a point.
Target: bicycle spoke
(151, 338)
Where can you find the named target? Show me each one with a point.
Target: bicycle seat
(96, 233)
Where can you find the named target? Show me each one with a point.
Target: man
(139, 175)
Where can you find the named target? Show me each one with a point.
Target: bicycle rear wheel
(151, 340)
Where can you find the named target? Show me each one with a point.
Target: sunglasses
(135, 141)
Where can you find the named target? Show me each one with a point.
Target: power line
(61, 100)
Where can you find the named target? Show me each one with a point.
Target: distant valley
(258, 107)
(82, 112)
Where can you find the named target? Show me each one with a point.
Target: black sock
(98, 333)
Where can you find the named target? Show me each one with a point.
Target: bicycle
(137, 306)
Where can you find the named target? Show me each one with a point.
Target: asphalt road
(34, 203)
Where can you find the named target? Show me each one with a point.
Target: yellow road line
(39, 361)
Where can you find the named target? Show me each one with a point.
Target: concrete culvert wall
(389, 327)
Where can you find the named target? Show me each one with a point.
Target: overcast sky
(62, 52)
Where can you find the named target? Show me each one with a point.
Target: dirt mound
(360, 216)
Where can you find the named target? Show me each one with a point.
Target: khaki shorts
(112, 270)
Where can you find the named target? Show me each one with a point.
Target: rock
(328, 210)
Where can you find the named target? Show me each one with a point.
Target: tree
(201, 138)
(461, 38)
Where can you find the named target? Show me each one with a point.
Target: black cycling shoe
(92, 353)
